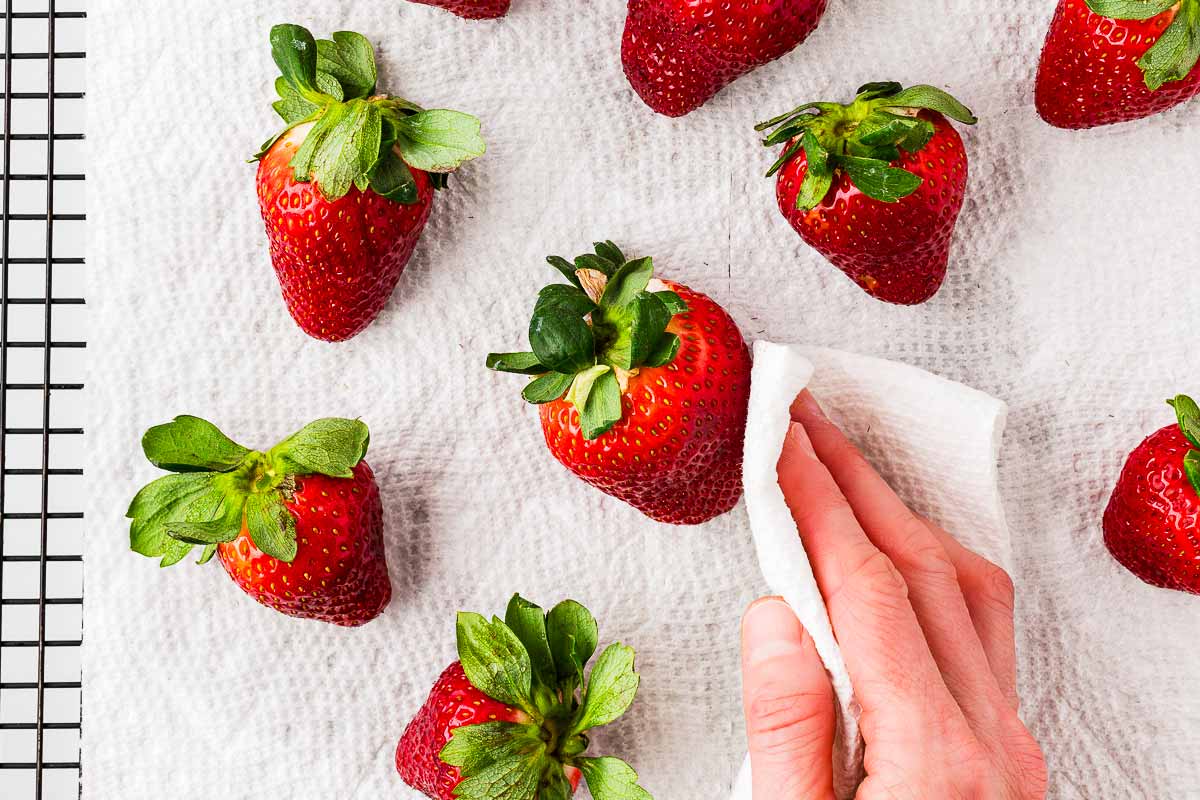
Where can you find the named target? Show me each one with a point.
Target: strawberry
(346, 188)
(1108, 61)
(679, 53)
(643, 386)
(876, 186)
(1152, 523)
(299, 528)
(508, 720)
(472, 9)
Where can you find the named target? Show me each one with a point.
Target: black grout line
(40, 734)
(4, 264)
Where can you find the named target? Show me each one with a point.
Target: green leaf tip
(1187, 412)
(220, 488)
(536, 660)
(862, 139)
(588, 337)
(359, 138)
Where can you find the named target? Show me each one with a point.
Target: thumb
(788, 700)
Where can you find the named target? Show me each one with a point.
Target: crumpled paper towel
(937, 440)
(1064, 298)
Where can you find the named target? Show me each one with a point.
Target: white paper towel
(1065, 298)
(938, 442)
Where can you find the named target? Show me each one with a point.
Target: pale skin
(926, 630)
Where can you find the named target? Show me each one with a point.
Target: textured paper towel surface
(1063, 299)
(937, 440)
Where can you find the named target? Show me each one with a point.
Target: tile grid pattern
(40, 343)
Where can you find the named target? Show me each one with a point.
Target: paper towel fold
(938, 443)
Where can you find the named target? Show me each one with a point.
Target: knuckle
(998, 588)
(876, 576)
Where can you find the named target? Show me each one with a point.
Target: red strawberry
(299, 528)
(646, 398)
(346, 189)
(876, 186)
(679, 53)
(1152, 523)
(517, 705)
(453, 702)
(472, 9)
(1109, 61)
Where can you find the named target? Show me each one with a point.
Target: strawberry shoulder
(676, 453)
(1152, 523)
(453, 702)
(337, 261)
(339, 574)
(1088, 74)
(899, 251)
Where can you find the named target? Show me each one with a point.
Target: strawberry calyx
(1188, 414)
(358, 138)
(219, 486)
(589, 337)
(1175, 54)
(534, 661)
(861, 139)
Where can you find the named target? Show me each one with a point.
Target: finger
(890, 665)
(990, 598)
(788, 700)
(934, 590)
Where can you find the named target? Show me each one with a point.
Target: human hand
(926, 630)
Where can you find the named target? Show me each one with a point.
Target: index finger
(890, 664)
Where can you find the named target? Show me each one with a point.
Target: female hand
(926, 630)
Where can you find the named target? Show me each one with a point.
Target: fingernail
(799, 437)
(770, 629)
(806, 407)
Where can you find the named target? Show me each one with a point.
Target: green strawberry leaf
(609, 252)
(597, 397)
(191, 444)
(562, 341)
(330, 86)
(879, 180)
(547, 388)
(932, 98)
(349, 150)
(330, 446)
(513, 778)
(629, 281)
(439, 140)
(291, 106)
(573, 634)
(638, 326)
(598, 263)
(611, 779)
(495, 660)
(391, 178)
(473, 748)
(555, 785)
(566, 268)
(610, 689)
(870, 91)
(206, 555)
(665, 351)
(528, 622)
(1130, 9)
(569, 298)
(673, 302)
(1174, 55)
(1188, 414)
(166, 499)
(818, 179)
(272, 527)
(1191, 466)
(295, 53)
(519, 363)
(350, 59)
